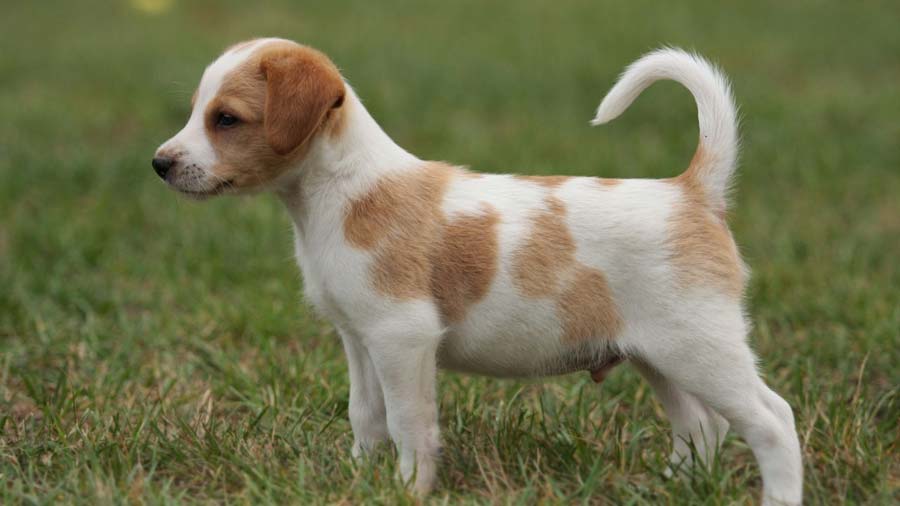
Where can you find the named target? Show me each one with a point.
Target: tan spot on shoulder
(465, 262)
(586, 307)
(372, 216)
(545, 181)
(548, 250)
(397, 204)
(403, 273)
(703, 249)
(401, 219)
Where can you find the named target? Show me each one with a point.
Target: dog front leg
(366, 410)
(406, 363)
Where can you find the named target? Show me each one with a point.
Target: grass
(155, 350)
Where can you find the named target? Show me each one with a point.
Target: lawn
(155, 350)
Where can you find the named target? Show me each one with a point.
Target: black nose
(162, 164)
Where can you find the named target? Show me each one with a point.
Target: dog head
(258, 109)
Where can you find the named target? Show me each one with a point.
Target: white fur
(689, 343)
(715, 109)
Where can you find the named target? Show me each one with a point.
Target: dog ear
(302, 85)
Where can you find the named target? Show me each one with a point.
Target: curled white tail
(716, 157)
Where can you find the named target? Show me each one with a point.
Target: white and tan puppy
(421, 264)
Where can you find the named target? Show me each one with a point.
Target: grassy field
(155, 350)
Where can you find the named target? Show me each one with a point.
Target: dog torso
(527, 276)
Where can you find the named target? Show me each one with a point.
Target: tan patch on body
(465, 262)
(548, 251)
(398, 206)
(401, 218)
(282, 94)
(545, 266)
(545, 181)
(418, 252)
(586, 307)
(703, 250)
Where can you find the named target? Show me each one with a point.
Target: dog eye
(226, 120)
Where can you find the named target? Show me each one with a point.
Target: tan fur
(556, 181)
(586, 307)
(547, 252)
(704, 251)
(397, 205)
(302, 85)
(465, 262)
(336, 118)
(545, 181)
(407, 218)
(546, 266)
(608, 182)
(277, 111)
(244, 155)
(419, 253)
(400, 218)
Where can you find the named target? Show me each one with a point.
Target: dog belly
(520, 344)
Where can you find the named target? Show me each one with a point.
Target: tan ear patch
(703, 250)
(302, 86)
(545, 266)
(335, 122)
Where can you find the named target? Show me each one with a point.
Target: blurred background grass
(154, 350)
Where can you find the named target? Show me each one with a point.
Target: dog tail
(715, 160)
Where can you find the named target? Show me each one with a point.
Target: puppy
(421, 264)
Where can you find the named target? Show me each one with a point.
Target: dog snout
(162, 164)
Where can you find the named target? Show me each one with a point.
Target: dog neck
(340, 167)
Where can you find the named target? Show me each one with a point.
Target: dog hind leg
(708, 357)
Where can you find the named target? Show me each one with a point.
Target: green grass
(155, 350)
